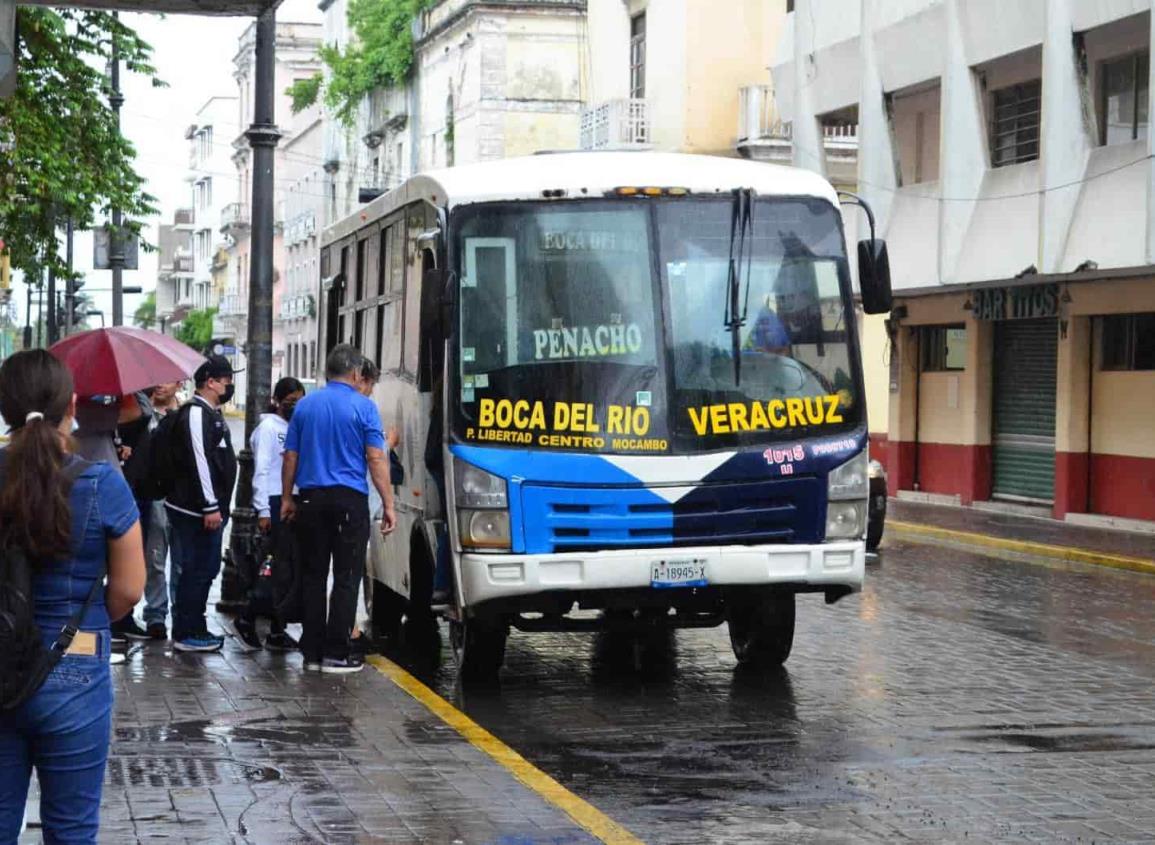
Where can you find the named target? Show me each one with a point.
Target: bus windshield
(601, 325)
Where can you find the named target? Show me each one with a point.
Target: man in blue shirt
(334, 442)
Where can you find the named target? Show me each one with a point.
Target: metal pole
(28, 315)
(116, 244)
(50, 322)
(69, 285)
(263, 136)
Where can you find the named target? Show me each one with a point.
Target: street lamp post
(263, 135)
(116, 242)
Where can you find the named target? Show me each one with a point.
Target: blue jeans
(198, 554)
(63, 731)
(161, 581)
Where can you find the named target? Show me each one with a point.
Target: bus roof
(586, 174)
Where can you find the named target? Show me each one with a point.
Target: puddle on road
(1066, 742)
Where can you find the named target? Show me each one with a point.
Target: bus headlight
(845, 520)
(848, 487)
(849, 481)
(484, 529)
(477, 488)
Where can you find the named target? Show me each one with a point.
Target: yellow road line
(1067, 553)
(581, 811)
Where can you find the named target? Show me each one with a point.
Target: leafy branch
(61, 153)
(380, 53)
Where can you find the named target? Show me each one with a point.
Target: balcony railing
(182, 264)
(616, 124)
(234, 217)
(762, 134)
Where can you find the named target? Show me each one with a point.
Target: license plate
(685, 572)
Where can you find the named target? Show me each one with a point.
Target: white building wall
(211, 188)
(964, 221)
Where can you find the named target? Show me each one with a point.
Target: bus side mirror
(432, 328)
(874, 276)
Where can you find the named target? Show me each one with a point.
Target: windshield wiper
(741, 246)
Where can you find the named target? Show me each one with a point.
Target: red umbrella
(121, 360)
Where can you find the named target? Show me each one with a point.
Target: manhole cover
(164, 772)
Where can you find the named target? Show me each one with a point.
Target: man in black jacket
(198, 507)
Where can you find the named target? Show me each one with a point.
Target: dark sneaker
(157, 631)
(199, 643)
(130, 628)
(346, 666)
(281, 642)
(247, 634)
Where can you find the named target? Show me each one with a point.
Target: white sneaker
(312, 667)
(116, 658)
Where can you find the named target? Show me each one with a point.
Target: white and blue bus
(627, 383)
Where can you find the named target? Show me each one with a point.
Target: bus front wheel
(478, 647)
(385, 610)
(761, 628)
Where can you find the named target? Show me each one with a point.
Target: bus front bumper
(485, 577)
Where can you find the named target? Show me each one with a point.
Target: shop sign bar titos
(1017, 303)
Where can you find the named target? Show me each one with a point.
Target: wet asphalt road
(959, 698)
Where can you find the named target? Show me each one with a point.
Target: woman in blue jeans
(74, 536)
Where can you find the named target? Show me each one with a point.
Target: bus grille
(561, 519)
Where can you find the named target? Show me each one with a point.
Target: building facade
(495, 80)
(211, 190)
(174, 279)
(297, 46)
(1005, 148)
(672, 74)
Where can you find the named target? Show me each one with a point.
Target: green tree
(61, 154)
(145, 315)
(196, 329)
(380, 53)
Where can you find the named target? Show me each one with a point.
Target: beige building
(669, 74)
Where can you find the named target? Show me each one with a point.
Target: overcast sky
(194, 55)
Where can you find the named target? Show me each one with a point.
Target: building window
(944, 348)
(1129, 342)
(1123, 85)
(1015, 128)
(638, 56)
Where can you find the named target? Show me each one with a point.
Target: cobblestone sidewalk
(243, 747)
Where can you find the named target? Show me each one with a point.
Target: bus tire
(385, 611)
(478, 647)
(762, 629)
(419, 606)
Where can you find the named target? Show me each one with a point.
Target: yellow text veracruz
(735, 417)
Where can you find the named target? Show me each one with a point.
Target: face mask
(227, 396)
(287, 410)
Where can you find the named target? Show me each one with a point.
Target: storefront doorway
(1025, 365)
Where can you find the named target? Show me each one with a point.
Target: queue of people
(81, 517)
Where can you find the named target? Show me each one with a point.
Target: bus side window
(431, 353)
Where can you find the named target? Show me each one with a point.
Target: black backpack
(158, 477)
(24, 661)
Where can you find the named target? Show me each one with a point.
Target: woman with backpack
(65, 524)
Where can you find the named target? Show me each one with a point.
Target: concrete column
(903, 408)
(1150, 165)
(976, 486)
(963, 156)
(877, 162)
(1072, 416)
(1065, 143)
(808, 151)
